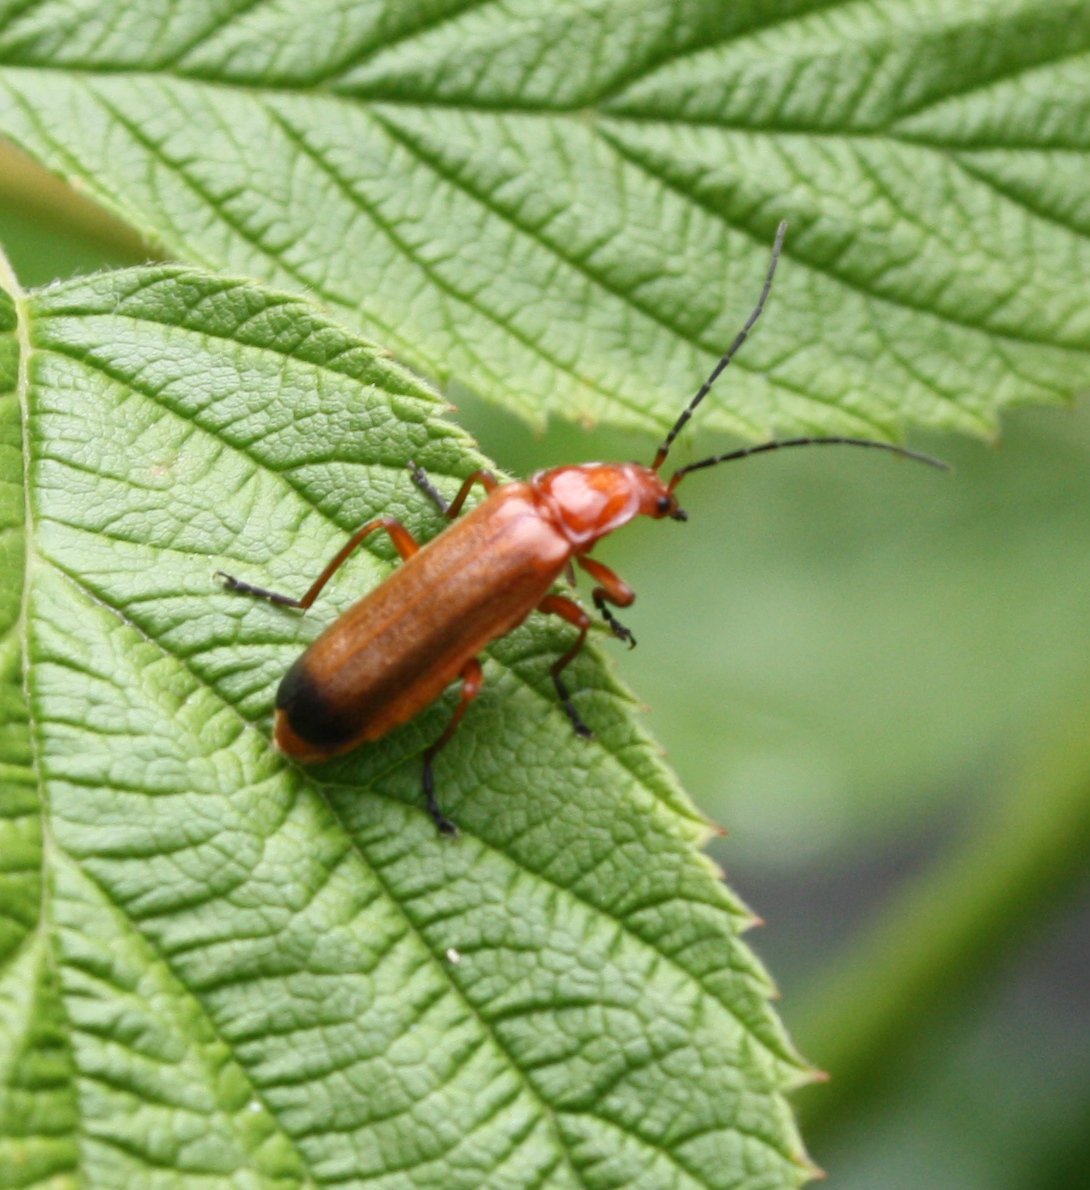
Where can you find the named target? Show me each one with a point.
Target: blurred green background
(877, 678)
(863, 669)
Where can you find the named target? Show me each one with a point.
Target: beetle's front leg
(613, 589)
(568, 609)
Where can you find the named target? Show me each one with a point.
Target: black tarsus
(446, 827)
(420, 478)
(564, 694)
(619, 630)
(236, 584)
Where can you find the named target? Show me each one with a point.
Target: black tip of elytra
(312, 715)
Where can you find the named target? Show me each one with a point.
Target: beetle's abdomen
(395, 651)
(309, 724)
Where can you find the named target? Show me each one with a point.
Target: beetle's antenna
(705, 388)
(764, 447)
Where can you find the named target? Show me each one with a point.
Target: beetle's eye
(664, 504)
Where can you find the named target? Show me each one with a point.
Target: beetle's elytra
(396, 650)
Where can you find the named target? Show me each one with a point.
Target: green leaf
(569, 206)
(219, 964)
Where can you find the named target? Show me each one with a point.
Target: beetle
(393, 652)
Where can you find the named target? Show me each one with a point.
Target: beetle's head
(664, 501)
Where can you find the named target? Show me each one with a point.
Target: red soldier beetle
(393, 652)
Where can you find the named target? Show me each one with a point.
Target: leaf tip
(715, 830)
(813, 1171)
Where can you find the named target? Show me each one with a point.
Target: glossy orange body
(396, 650)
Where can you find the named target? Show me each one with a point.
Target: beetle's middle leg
(472, 681)
(612, 589)
(420, 477)
(568, 609)
(403, 541)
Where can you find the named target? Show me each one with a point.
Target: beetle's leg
(568, 609)
(420, 477)
(399, 535)
(487, 481)
(611, 588)
(472, 681)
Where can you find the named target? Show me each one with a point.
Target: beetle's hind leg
(568, 609)
(472, 681)
(236, 584)
(403, 540)
(611, 589)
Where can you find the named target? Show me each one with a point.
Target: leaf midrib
(608, 105)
